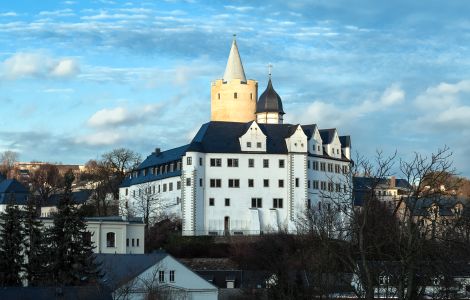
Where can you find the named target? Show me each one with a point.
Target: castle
(245, 171)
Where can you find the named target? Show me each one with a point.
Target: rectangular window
(248, 144)
(308, 184)
(215, 183)
(127, 192)
(178, 185)
(170, 186)
(189, 160)
(345, 169)
(323, 186)
(315, 165)
(330, 186)
(322, 166)
(188, 181)
(133, 243)
(127, 242)
(265, 163)
(164, 187)
(200, 181)
(234, 183)
(297, 182)
(232, 162)
(159, 188)
(200, 161)
(337, 168)
(281, 163)
(161, 276)
(281, 183)
(330, 167)
(258, 145)
(235, 95)
(227, 201)
(308, 164)
(251, 183)
(251, 163)
(315, 184)
(211, 201)
(137, 242)
(338, 187)
(256, 202)
(266, 182)
(216, 162)
(277, 203)
(172, 276)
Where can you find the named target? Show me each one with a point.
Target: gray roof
(220, 137)
(12, 188)
(269, 101)
(119, 269)
(327, 135)
(234, 68)
(446, 204)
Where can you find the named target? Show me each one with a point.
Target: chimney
(393, 181)
(157, 151)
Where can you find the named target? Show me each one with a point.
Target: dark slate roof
(79, 197)
(345, 141)
(367, 183)
(12, 188)
(309, 130)
(327, 135)
(220, 137)
(118, 269)
(269, 101)
(91, 292)
(167, 156)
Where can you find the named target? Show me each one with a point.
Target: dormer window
(258, 145)
(318, 147)
(235, 95)
(248, 144)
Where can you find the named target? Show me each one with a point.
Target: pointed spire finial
(234, 68)
(270, 68)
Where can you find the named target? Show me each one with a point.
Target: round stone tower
(233, 98)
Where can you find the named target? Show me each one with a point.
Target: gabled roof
(13, 190)
(345, 141)
(327, 135)
(12, 186)
(446, 203)
(234, 68)
(119, 269)
(309, 130)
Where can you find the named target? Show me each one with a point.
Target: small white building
(116, 234)
(135, 276)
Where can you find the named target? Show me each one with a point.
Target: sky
(80, 78)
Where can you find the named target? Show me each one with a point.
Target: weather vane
(270, 67)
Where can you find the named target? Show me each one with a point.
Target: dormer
(315, 143)
(331, 142)
(254, 140)
(297, 141)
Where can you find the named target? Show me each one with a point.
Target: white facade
(115, 235)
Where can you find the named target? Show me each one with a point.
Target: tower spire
(234, 68)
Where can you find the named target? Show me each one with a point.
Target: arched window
(110, 240)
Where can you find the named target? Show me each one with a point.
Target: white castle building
(245, 171)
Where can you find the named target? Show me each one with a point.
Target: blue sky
(78, 78)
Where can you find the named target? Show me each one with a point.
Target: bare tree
(7, 163)
(45, 181)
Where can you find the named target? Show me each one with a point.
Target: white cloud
(121, 116)
(9, 14)
(101, 138)
(330, 114)
(57, 13)
(65, 68)
(39, 65)
(444, 106)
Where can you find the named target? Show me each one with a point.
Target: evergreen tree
(34, 246)
(11, 245)
(70, 247)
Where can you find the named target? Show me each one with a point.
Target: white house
(134, 276)
(244, 177)
(113, 234)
